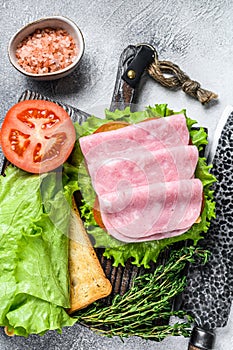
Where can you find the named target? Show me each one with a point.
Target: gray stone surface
(197, 35)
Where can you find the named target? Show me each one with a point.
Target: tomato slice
(111, 126)
(37, 136)
(97, 214)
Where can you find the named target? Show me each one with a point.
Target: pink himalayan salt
(46, 50)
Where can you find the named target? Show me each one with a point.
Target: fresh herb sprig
(150, 298)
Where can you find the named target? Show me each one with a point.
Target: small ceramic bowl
(48, 22)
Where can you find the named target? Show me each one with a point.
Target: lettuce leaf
(141, 254)
(34, 293)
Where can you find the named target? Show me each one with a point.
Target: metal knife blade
(208, 295)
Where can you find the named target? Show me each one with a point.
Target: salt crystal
(49, 51)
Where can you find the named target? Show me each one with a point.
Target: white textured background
(197, 35)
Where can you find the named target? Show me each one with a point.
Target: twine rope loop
(170, 75)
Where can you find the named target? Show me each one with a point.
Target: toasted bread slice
(88, 282)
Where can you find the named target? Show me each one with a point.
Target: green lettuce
(34, 293)
(141, 254)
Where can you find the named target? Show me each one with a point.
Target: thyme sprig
(150, 299)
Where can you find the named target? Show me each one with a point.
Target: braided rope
(179, 79)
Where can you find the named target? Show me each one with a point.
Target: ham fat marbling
(143, 175)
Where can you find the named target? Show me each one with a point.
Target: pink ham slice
(148, 210)
(143, 175)
(153, 134)
(116, 234)
(142, 168)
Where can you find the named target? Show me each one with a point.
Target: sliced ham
(118, 235)
(141, 168)
(148, 210)
(143, 175)
(153, 134)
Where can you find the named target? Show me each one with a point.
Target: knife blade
(208, 295)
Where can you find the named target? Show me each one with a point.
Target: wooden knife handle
(132, 64)
(201, 339)
(192, 347)
(123, 94)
